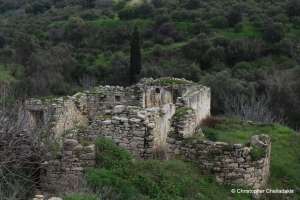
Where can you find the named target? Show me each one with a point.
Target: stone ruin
(138, 119)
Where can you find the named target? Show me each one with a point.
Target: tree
(22, 152)
(135, 56)
(293, 8)
(235, 14)
(127, 13)
(2, 41)
(158, 3)
(219, 22)
(273, 32)
(24, 46)
(121, 73)
(193, 4)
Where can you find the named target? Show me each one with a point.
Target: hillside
(247, 52)
(57, 48)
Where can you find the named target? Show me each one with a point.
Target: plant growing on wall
(257, 153)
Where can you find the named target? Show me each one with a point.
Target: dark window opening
(38, 117)
(117, 98)
(157, 90)
(176, 93)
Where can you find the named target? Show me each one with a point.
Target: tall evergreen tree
(135, 56)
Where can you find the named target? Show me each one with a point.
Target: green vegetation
(82, 196)
(85, 143)
(284, 151)
(173, 134)
(174, 179)
(257, 153)
(181, 111)
(110, 156)
(151, 179)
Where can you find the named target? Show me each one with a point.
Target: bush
(107, 54)
(210, 133)
(127, 13)
(257, 153)
(219, 22)
(157, 50)
(110, 156)
(85, 143)
(108, 182)
(168, 41)
(82, 196)
(181, 111)
(238, 27)
(147, 44)
(162, 18)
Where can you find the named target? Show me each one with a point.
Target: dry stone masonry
(232, 164)
(138, 119)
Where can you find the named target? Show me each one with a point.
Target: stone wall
(59, 114)
(107, 97)
(61, 174)
(232, 164)
(185, 125)
(197, 98)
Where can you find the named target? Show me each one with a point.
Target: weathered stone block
(250, 169)
(254, 139)
(118, 109)
(133, 144)
(151, 125)
(233, 165)
(124, 120)
(135, 121)
(89, 149)
(106, 122)
(88, 156)
(237, 146)
(69, 144)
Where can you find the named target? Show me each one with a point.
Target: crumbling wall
(59, 114)
(156, 96)
(185, 125)
(107, 97)
(70, 113)
(64, 173)
(232, 164)
(197, 98)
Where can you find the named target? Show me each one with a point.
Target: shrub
(148, 33)
(85, 143)
(166, 28)
(181, 111)
(107, 54)
(238, 27)
(212, 122)
(220, 22)
(210, 133)
(162, 18)
(82, 196)
(110, 156)
(257, 153)
(168, 41)
(147, 44)
(157, 50)
(108, 181)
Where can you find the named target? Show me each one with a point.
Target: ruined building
(138, 118)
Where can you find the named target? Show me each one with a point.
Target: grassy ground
(285, 148)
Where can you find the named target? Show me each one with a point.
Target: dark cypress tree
(135, 56)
